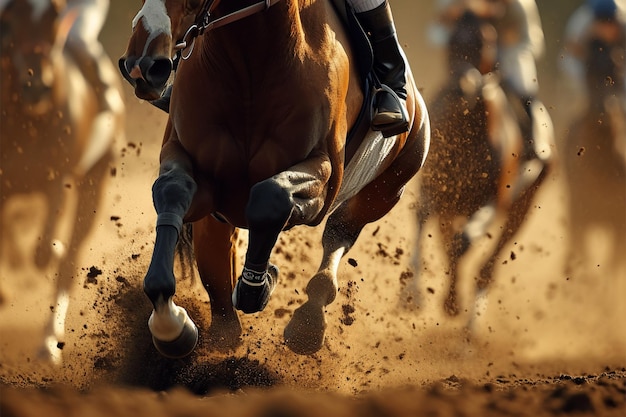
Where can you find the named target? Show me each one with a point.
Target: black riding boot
(390, 115)
(527, 128)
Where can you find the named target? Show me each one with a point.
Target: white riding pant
(89, 22)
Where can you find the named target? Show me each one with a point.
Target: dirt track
(549, 342)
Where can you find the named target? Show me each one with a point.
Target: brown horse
(51, 144)
(257, 139)
(595, 154)
(479, 170)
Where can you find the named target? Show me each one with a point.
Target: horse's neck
(279, 30)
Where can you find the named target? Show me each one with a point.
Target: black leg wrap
(253, 289)
(170, 219)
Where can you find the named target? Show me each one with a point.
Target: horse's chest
(35, 150)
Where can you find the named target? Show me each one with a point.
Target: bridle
(205, 22)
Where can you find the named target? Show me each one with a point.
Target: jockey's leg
(100, 73)
(520, 82)
(89, 54)
(542, 129)
(390, 115)
(526, 126)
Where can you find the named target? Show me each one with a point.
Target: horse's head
(157, 30)
(33, 34)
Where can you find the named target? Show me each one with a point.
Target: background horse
(595, 158)
(257, 139)
(49, 147)
(478, 169)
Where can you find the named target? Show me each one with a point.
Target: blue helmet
(603, 9)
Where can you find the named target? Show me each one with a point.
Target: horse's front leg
(215, 245)
(174, 333)
(287, 199)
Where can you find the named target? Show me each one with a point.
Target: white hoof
(174, 334)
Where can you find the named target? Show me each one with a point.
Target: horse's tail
(184, 250)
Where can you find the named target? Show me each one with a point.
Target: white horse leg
(51, 351)
(305, 331)
(479, 222)
(64, 257)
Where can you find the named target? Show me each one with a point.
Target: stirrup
(393, 128)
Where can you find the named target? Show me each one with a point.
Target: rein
(204, 22)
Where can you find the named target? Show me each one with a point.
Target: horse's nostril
(159, 72)
(124, 64)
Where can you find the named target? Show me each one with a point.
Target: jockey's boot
(537, 130)
(526, 127)
(389, 115)
(537, 143)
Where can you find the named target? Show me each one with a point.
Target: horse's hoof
(224, 333)
(180, 347)
(51, 351)
(304, 334)
(252, 297)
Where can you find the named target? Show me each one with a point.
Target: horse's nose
(155, 71)
(124, 65)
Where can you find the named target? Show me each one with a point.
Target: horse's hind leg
(515, 218)
(456, 245)
(304, 333)
(46, 245)
(173, 333)
(215, 251)
(410, 296)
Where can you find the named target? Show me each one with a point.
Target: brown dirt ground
(549, 343)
